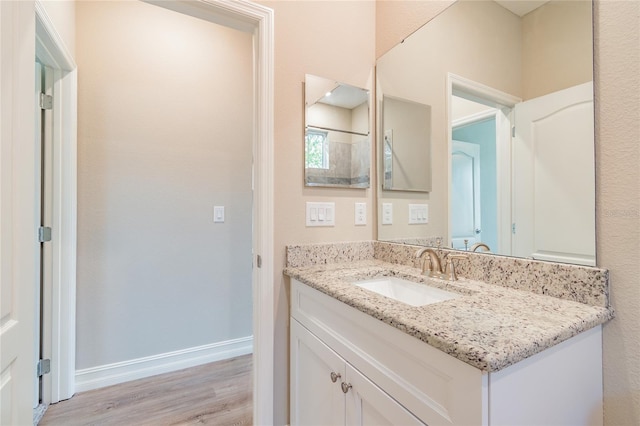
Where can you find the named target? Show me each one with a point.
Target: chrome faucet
(435, 265)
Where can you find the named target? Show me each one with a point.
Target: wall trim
(139, 368)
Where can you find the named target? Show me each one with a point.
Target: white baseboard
(120, 372)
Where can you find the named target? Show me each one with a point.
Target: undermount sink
(405, 291)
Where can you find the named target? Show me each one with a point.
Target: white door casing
(59, 307)
(44, 192)
(553, 177)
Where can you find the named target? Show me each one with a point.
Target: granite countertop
(489, 327)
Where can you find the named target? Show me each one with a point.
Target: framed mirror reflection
(337, 136)
(511, 98)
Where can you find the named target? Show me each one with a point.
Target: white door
(465, 194)
(553, 177)
(316, 376)
(18, 245)
(367, 404)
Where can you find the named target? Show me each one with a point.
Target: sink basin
(405, 291)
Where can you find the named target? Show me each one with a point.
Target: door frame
(504, 103)
(61, 305)
(238, 14)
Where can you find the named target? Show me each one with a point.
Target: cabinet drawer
(434, 386)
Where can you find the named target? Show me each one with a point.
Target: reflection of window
(316, 149)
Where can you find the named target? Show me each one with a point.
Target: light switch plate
(418, 214)
(387, 214)
(218, 214)
(320, 214)
(361, 213)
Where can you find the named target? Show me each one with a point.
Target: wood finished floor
(219, 393)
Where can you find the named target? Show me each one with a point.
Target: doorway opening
(479, 134)
(249, 17)
(473, 175)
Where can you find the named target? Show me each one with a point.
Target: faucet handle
(452, 270)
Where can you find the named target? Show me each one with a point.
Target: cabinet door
(315, 398)
(367, 404)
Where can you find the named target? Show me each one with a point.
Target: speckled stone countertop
(489, 327)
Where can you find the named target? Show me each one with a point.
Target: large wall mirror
(337, 144)
(509, 85)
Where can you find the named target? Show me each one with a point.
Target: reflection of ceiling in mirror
(462, 108)
(346, 97)
(521, 7)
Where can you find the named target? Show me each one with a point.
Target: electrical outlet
(387, 214)
(361, 214)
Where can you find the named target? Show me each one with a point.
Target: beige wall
(165, 108)
(334, 40)
(617, 101)
(396, 19)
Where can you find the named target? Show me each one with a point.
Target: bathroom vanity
(493, 355)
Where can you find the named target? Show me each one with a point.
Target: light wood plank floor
(219, 393)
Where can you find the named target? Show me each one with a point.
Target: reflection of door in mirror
(553, 193)
(474, 134)
(465, 195)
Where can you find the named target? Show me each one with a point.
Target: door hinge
(44, 367)
(259, 261)
(44, 234)
(513, 228)
(513, 132)
(46, 101)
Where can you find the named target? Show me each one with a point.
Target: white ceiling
(521, 7)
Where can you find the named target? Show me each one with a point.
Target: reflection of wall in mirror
(565, 25)
(486, 43)
(406, 127)
(348, 154)
(360, 146)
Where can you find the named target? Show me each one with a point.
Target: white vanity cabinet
(327, 390)
(397, 379)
